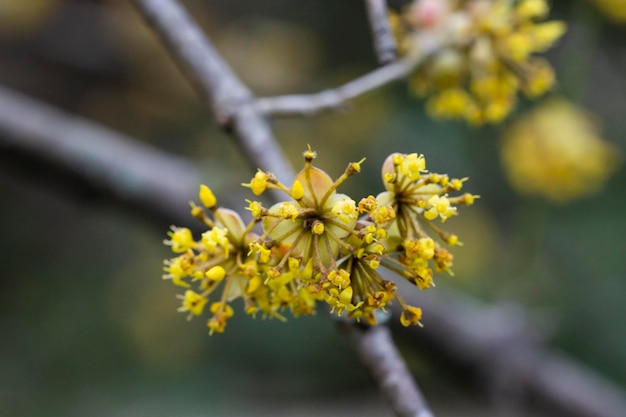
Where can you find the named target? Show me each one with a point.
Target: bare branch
(499, 343)
(379, 354)
(227, 95)
(127, 170)
(384, 42)
(311, 104)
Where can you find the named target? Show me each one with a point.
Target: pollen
(345, 210)
(288, 211)
(318, 227)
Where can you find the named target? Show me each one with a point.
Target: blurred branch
(384, 42)
(311, 104)
(379, 354)
(498, 343)
(230, 99)
(488, 340)
(109, 162)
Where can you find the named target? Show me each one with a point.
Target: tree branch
(384, 42)
(465, 332)
(498, 343)
(380, 356)
(230, 99)
(311, 104)
(109, 162)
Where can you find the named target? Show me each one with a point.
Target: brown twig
(384, 42)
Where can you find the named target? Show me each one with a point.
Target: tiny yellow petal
(297, 190)
(217, 273)
(207, 197)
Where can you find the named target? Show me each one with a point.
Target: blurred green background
(89, 327)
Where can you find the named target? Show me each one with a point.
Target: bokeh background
(87, 325)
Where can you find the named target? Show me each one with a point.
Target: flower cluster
(318, 245)
(556, 152)
(485, 54)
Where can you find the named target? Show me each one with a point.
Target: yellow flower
(194, 303)
(180, 239)
(411, 316)
(221, 259)
(417, 202)
(556, 152)
(315, 223)
(314, 246)
(259, 182)
(486, 56)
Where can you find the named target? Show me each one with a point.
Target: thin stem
(384, 42)
(382, 359)
(311, 104)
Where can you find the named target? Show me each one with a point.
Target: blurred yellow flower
(556, 152)
(484, 54)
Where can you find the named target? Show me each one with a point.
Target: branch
(380, 356)
(384, 42)
(464, 331)
(311, 104)
(499, 343)
(109, 162)
(230, 99)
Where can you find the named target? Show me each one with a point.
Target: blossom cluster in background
(556, 152)
(485, 54)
